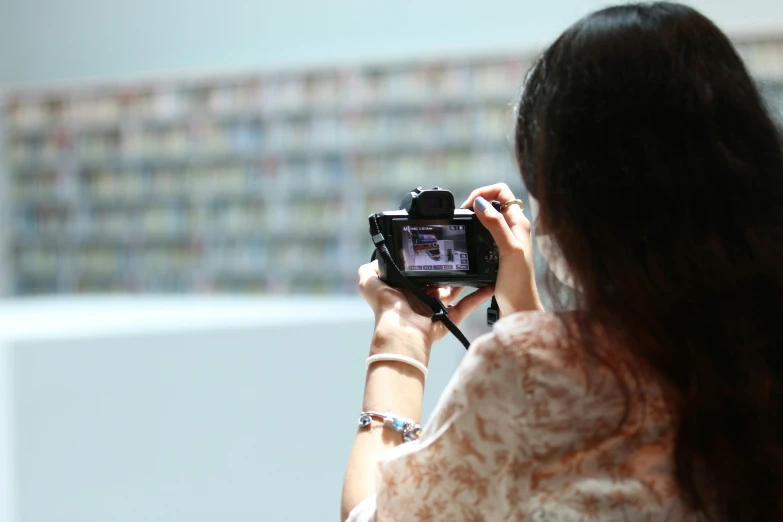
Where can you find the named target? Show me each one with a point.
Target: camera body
(434, 243)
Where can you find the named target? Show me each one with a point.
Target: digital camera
(434, 243)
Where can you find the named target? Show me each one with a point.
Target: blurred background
(184, 192)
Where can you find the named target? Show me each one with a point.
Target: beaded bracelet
(409, 429)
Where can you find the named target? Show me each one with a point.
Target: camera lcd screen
(434, 247)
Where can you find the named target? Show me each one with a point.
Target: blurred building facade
(256, 183)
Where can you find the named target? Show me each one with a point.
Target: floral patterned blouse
(532, 429)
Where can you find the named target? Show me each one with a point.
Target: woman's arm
(390, 386)
(402, 327)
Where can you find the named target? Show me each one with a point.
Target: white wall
(183, 410)
(46, 40)
(8, 479)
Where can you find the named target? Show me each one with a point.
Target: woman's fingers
(497, 192)
(368, 272)
(517, 222)
(369, 282)
(497, 225)
(446, 294)
(468, 304)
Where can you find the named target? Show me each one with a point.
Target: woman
(659, 176)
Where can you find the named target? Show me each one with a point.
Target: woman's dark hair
(659, 173)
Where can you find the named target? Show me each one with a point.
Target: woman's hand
(400, 315)
(515, 288)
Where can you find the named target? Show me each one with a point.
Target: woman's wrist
(394, 385)
(394, 335)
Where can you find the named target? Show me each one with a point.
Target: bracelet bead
(409, 429)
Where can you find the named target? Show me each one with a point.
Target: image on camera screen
(435, 247)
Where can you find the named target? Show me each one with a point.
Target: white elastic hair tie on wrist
(397, 358)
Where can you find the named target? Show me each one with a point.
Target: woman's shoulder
(533, 358)
(537, 340)
(535, 328)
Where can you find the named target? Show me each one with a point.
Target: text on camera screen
(435, 247)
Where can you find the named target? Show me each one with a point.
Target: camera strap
(439, 310)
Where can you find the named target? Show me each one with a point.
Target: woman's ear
(535, 220)
(548, 248)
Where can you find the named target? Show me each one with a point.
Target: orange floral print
(532, 429)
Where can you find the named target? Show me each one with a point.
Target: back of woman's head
(659, 173)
